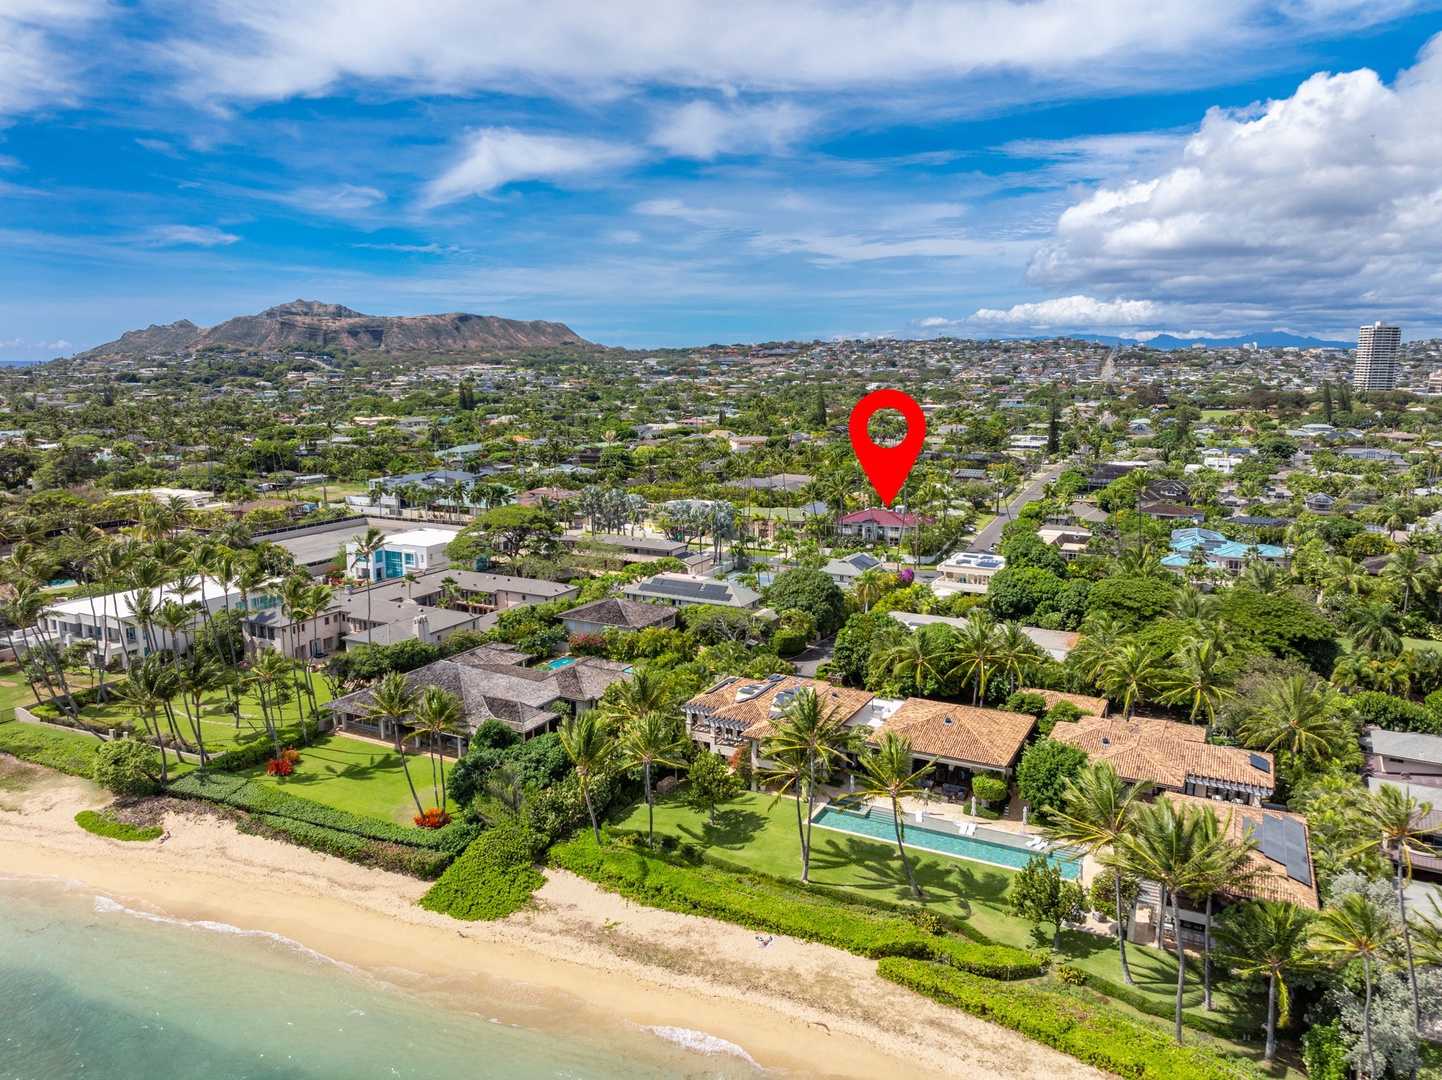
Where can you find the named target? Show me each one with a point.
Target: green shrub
(1091, 1033)
(989, 789)
(719, 895)
(127, 767)
(1324, 1052)
(1071, 976)
(1027, 702)
(491, 879)
(102, 825)
(255, 751)
(243, 794)
(58, 750)
(1396, 714)
(422, 863)
(1162, 1008)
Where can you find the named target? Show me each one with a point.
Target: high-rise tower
(1377, 348)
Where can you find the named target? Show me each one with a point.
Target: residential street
(992, 533)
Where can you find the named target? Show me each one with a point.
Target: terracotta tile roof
(988, 737)
(752, 717)
(1167, 753)
(1275, 885)
(1090, 706)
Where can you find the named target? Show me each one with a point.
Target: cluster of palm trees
(939, 660)
(455, 501)
(611, 510)
(425, 715)
(1191, 854)
(183, 653)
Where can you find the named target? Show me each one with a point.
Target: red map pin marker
(887, 467)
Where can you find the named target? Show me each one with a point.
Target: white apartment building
(110, 622)
(412, 552)
(968, 572)
(1377, 349)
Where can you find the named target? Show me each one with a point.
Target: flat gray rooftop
(318, 548)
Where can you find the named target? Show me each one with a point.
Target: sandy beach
(798, 1007)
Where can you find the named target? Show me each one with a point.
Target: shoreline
(800, 1008)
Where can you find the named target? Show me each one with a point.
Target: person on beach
(765, 941)
(165, 836)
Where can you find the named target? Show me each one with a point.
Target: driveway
(1031, 493)
(807, 661)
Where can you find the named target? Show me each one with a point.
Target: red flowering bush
(290, 754)
(588, 644)
(280, 766)
(433, 818)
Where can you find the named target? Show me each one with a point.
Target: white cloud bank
(702, 129)
(500, 156)
(249, 50)
(1323, 209)
(33, 68)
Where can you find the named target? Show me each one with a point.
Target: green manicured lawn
(1421, 644)
(359, 776)
(755, 833)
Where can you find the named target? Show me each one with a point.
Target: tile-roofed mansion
(491, 681)
(737, 713)
(1174, 757)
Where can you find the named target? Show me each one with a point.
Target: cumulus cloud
(273, 49)
(1073, 311)
(1327, 203)
(188, 236)
(703, 129)
(500, 156)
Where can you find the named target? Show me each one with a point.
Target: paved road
(808, 661)
(992, 533)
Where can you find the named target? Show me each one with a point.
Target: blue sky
(664, 172)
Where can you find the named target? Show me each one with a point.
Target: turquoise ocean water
(92, 989)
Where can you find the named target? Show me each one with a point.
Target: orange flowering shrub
(433, 818)
(281, 766)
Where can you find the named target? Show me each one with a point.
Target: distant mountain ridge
(312, 322)
(1266, 339)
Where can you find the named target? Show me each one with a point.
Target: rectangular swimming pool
(927, 838)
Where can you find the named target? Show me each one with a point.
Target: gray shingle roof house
(615, 613)
(491, 682)
(845, 570)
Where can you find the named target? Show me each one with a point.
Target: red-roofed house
(885, 525)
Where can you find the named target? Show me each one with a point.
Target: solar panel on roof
(1259, 762)
(1294, 835)
(1271, 840)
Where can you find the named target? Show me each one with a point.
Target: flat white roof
(418, 538)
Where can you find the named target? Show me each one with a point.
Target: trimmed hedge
(101, 825)
(53, 749)
(1091, 1033)
(265, 799)
(422, 863)
(255, 751)
(491, 879)
(694, 891)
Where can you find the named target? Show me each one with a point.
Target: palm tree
(1101, 636)
(437, 714)
(592, 751)
(819, 734)
(1197, 680)
(788, 770)
(886, 773)
(1016, 653)
(645, 692)
(393, 700)
(1291, 717)
(1097, 811)
(1373, 627)
(366, 548)
(978, 646)
(148, 689)
(1162, 847)
(1406, 568)
(649, 740)
(269, 674)
(1355, 929)
(1132, 674)
(1266, 938)
(869, 587)
(1223, 864)
(1397, 818)
(916, 659)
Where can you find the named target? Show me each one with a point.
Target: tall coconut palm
(1131, 675)
(1292, 717)
(977, 652)
(1162, 847)
(148, 689)
(1097, 811)
(818, 732)
(1016, 654)
(1224, 863)
(393, 701)
(869, 587)
(887, 773)
(1374, 628)
(916, 659)
(1197, 681)
(652, 739)
(1101, 636)
(1266, 938)
(367, 546)
(1396, 819)
(644, 692)
(269, 675)
(1355, 929)
(437, 714)
(592, 750)
(787, 769)
(1405, 570)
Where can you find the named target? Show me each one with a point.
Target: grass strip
(101, 825)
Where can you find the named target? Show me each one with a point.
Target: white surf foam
(698, 1042)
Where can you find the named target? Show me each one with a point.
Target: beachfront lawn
(357, 776)
(758, 833)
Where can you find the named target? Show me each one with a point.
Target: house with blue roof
(1191, 546)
